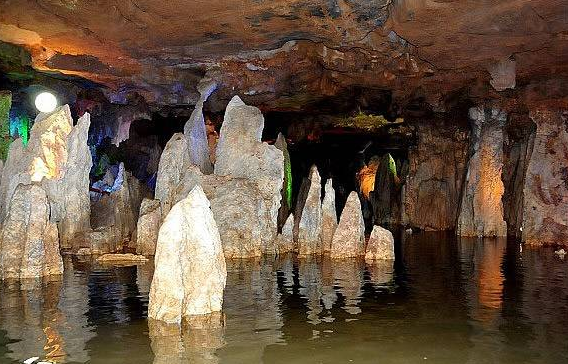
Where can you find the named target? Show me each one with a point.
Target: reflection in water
(444, 300)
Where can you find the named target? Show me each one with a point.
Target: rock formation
(435, 177)
(58, 157)
(385, 197)
(286, 202)
(285, 240)
(481, 211)
(148, 226)
(5, 105)
(29, 242)
(190, 271)
(309, 219)
(171, 170)
(349, 238)
(240, 153)
(545, 207)
(380, 245)
(329, 216)
(195, 131)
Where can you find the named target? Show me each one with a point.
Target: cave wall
(435, 176)
(545, 200)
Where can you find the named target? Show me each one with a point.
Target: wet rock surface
(309, 219)
(329, 216)
(380, 245)
(190, 271)
(349, 238)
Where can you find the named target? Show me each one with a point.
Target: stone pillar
(481, 211)
(309, 220)
(545, 200)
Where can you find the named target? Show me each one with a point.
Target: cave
(283, 181)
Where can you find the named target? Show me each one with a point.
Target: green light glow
(392, 165)
(5, 104)
(288, 181)
(20, 127)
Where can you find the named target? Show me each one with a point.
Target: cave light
(46, 102)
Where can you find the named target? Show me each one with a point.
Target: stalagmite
(385, 197)
(481, 212)
(190, 271)
(29, 242)
(286, 202)
(148, 227)
(380, 245)
(349, 238)
(285, 240)
(329, 216)
(240, 153)
(195, 130)
(545, 207)
(310, 218)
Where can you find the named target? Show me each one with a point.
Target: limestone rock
(5, 105)
(385, 198)
(285, 240)
(329, 216)
(173, 164)
(435, 177)
(380, 244)
(148, 227)
(310, 219)
(195, 130)
(349, 238)
(190, 271)
(58, 156)
(481, 211)
(503, 74)
(29, 242)
(545, 207)
(122, 258)
(240, 153)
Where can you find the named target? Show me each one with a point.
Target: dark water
(443, 301)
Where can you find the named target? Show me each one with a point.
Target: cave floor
(444, 300)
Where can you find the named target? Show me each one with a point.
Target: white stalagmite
(380, 245)
(310, 220)
(349, 238)
(329, 216)
(190, 271)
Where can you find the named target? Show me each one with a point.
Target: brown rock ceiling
(287, 54)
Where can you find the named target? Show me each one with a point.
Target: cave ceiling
(285, 55)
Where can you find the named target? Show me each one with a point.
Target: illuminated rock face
(58, 157)
(148, 227)
(329, 216)
(240, 153)
(349, 238)
(190, 271)
(5, 104)
(481, 211)
(385, 197)
(310, 218)
(285, 240)
(435, 177)
(545, 208)
(380, 245)
(29, 243)
(286, 202)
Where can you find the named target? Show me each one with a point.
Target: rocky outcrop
(349, 238)
(329, 216)
(481, 210)
(545, 208)
(240, 153)
(190, 271)
(148, 226)
(309, 219)
(435, 177)
(380, 245)
(285, 240)
(286, 201)
(174, 162)
(195, 131)
(385, 197)
(29, 242)
(58, 157)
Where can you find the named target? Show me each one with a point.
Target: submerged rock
(380, 244)
(481, 211)
(29, 242)
(309, 238)
(148, 226)
(349, 238)
(329, 216)
(190, 271)
(545, 207)
(240, 153)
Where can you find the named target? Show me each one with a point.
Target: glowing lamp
(45, 102)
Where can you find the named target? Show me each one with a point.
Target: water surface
(444, 300)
